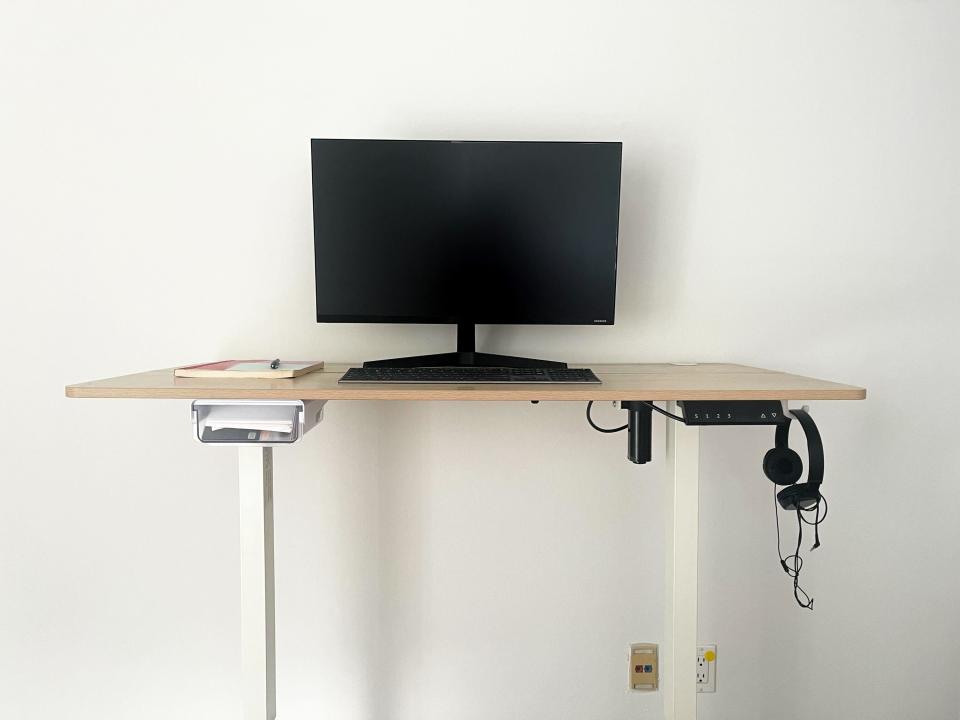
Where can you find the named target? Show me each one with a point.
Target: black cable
(624, 427)
(807, 602)
(597, 427)
(661, 411)
(797, 562)
(783, 560)
(816, 519)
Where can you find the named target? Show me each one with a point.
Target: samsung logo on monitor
(600, 321)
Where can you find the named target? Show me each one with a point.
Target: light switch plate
(644, 666)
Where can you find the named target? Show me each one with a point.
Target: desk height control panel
(695, 412)
(732, 412)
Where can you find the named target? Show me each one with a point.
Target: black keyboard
(469, 376)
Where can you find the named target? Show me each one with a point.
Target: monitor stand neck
(465, 356)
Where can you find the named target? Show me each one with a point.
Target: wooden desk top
(707, 381)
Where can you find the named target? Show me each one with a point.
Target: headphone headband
(814, 443)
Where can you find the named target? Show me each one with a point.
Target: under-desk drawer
(254, 422)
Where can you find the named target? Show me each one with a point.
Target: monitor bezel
(449, 320)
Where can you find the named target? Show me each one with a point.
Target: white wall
(791, 199)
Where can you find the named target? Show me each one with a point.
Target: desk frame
(651, 382)
(258, 631)
(681, 535)
(679, 646)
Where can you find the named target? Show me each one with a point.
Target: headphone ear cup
(803, 496)
(782, 466)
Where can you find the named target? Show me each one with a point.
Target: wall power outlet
(706, 668)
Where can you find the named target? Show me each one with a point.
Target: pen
(275, 364)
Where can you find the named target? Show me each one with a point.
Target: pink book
(249, 369)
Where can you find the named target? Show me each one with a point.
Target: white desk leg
(679, 682)
(257, 630)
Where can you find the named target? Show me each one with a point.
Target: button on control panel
(732, 412)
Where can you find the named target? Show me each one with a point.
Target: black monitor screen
(465, 232)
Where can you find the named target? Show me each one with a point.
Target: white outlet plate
(706, 669)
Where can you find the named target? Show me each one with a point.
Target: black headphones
(784, 467)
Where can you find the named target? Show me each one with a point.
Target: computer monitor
(466, 233)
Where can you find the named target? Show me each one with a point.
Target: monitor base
(465, 356)
(465, 359)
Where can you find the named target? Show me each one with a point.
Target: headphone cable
(817, 519)
(794, 572)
